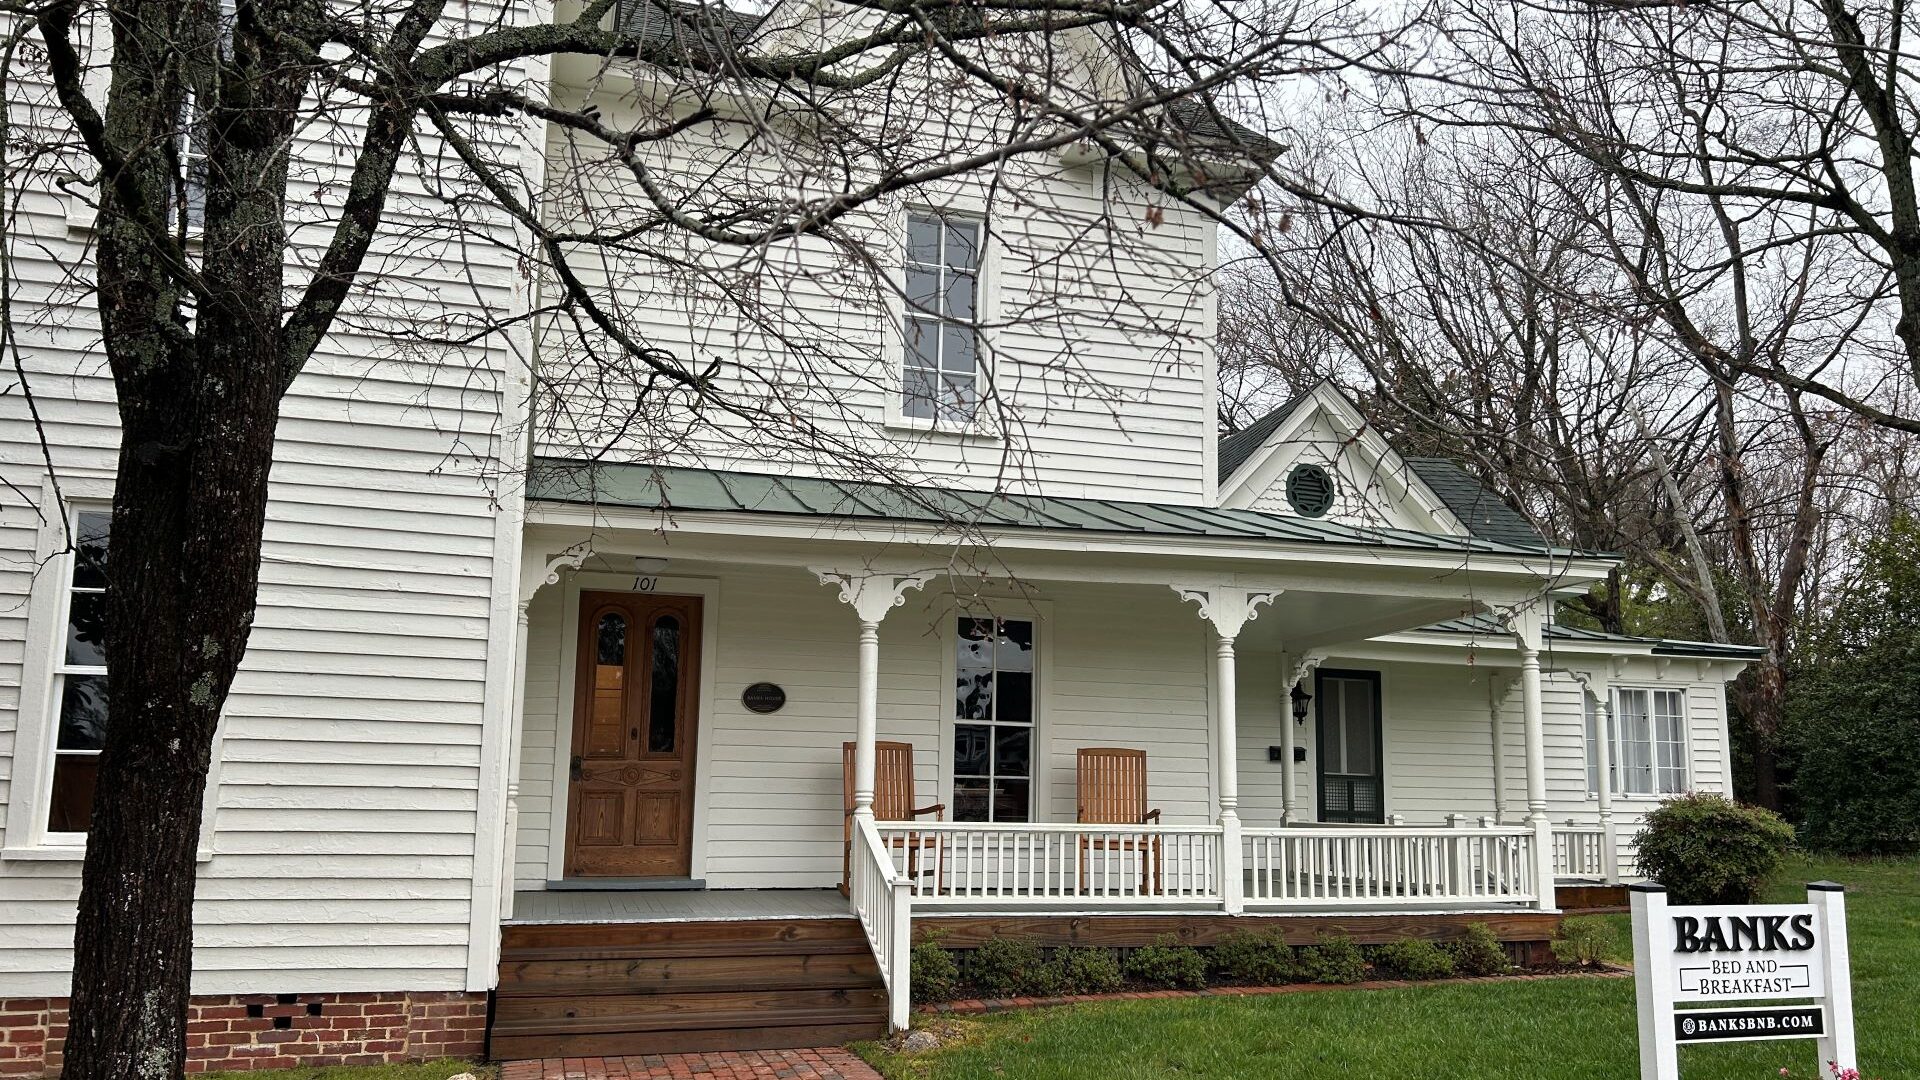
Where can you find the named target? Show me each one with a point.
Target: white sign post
(1742, 953)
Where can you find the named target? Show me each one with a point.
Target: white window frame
(985, 309)
(1617, 778)
(42, 667)
(63, 668)
(1039, 757)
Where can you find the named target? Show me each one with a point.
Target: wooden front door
(630, 801)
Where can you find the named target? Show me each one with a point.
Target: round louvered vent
(1310, 490)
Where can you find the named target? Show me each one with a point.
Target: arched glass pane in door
(607, 720)
(664, 706)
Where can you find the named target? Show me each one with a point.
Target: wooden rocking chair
(1113, 791)
(892, 801)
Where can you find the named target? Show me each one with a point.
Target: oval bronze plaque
(763, 697)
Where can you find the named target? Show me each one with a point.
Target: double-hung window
(80, 677)
(940, 379)
(993, 720)
(1648, 737)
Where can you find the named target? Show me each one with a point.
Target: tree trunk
(1764, 703)
(183, 573)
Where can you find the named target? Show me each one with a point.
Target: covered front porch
(706, 692)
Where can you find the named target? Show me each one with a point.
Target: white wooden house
(532, 752)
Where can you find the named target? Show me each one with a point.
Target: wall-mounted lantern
(1301, 699)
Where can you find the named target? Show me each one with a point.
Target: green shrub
(1006, 967)
(1708, 849)
(936, 975)
(1085, 971)
(1479, 952)
(1332, 959)
(1166, 962)
(1584, 941)
(1261, 959)
(1412, 958)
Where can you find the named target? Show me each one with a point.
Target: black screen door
(1348, 704)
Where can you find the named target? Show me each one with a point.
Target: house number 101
(645, 584)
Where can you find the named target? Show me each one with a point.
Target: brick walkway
(825, 1064)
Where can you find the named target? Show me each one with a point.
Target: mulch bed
(978, 1006)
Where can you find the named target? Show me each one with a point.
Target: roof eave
(1556, 565)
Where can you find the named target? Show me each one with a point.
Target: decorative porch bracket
(1229, 608)
(1527, 622)
(1303, 668)
(872, 593)
(1598, 689)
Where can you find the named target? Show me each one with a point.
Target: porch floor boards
(541, 907)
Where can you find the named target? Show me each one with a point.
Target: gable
(1373, 485)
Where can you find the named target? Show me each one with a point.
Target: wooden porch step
(730, 936)
(517, 1048)
(651, 988)
(1589, 898)
(686, 1012)
(685, 974)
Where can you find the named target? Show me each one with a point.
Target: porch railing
(948, 864)
(878, 894)
(896, 867)
(1581, 851)
(1383, 867)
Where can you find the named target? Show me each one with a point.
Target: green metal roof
(1487, 625)
(687, 490)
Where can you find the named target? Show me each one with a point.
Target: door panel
(1351, 778)
(630, 800)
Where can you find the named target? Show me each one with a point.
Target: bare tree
(1788, 126)
(1503, 301)
(228, 249)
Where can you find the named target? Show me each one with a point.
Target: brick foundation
(274, 1031)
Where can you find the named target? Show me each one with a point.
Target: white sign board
(1727, 954)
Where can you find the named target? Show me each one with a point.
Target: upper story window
(941, 377)
(80, 677)
(193, 161)
(196, 135)
(1648, 736)
(993, 720)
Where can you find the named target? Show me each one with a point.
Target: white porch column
(1528, 626)
(1228, 608)
(1601, 694)
(534, 575)
(1302, 669)
(872, 594)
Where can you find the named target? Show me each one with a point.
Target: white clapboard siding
(342, 849)
(1438, 745)
(1097, 341)
(1120, 666)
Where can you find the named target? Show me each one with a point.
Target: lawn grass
(1568, 1029)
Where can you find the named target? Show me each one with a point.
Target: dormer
(1317, 457)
